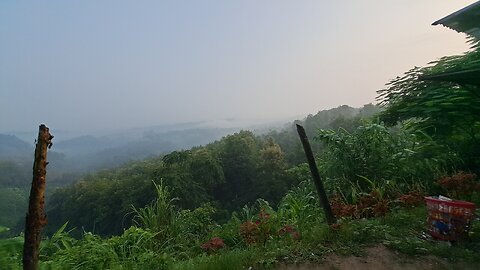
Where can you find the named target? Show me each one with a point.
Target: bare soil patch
(381, 258)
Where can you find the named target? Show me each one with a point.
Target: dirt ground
(381, 258)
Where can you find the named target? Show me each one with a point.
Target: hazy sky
(89, 65)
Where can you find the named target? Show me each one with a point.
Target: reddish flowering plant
(460, 185)
(257, 231)
(341, 209)
(249, 232)
(411, 199)
(368, 205)
(286, 229)
(213, 244)
(264, 226)
(263, 216)
(289, 230)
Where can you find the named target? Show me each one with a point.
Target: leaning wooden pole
(316, 176)
(36, 218)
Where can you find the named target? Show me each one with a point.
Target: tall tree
(272, 182)
(238, 156)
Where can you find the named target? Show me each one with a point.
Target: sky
(109, 65)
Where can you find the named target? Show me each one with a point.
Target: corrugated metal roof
(466, 20)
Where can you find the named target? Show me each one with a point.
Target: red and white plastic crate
(449, 219)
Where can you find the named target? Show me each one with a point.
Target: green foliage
(374, 158)
(160, 216)
(101, 202)
(299, 207)
(236, 259)
(195, 224)
(140, 248)
(260, 228)
(344, 117)
(443, 107)
(206, 169)
(11, 253)
(13, 174)
(4, 229)
(192, 175)
(231, 172)
(366, 152)
(60, 240)
(134, 249)
(272, 180)
(229, 231)
(178, 232)
(448, 112)
(154, 231)
(239, 162)
(13, 205)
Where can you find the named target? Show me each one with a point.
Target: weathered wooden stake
(36, 218)
(316, 176)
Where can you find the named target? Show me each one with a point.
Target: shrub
(367, 205)
(411, 199)
(460, 185)
(214, 244)
(376, 158)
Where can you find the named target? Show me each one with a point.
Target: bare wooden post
(36, 218)
(316, 176)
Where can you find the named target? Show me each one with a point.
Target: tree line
(228, 173)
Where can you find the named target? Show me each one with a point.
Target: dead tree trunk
(316, 176)
(36, 218)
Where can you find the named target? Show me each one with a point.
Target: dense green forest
(227, 174)
(16, 173)
(72, 158)
(247, 200)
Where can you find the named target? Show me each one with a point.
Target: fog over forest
(96, 67)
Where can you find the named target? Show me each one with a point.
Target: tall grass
(160, 216)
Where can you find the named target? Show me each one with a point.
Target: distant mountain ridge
(87, 153)
(11, 147)
(84, 145)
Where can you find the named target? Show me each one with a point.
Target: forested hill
(226, 174)
(12, 148)
(344, 117)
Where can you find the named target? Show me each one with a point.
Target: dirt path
(381, 258)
